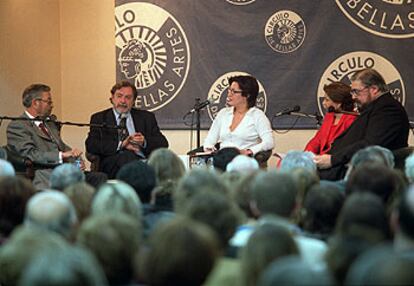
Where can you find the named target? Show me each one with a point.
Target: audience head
(304, 180)
(371, 155)
(169, 169)
(241, 193)
(243, 164)
(338, 96)
(6, 169)
(215, 210)
(194, 182)
(363, 215)
(14, 195)
(248, 86)
(268, 242)
(382, 266)
(409, 168)
(362, 223)
(24, 244)
(321, 209)
(65, 175)
(140, 176)
(298, 159)
(81, 196)
(274, 193)
(117, 197)
(53, 211)
(223, 157)
(406, 214)
(377, 179)
(180, 252)
(293, 270)
(114, 240)
(68, 266)
(167, 165)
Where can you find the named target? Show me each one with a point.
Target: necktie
(123, 131)
(44, 130)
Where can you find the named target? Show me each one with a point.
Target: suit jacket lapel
(55, 136)
(138, 124)
(31, 124)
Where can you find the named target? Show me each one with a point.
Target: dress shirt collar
(117, 115)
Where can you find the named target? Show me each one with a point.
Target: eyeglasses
(46, 101)
(233, 91)
(356, 92)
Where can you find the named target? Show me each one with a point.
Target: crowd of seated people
(161, 224)
(154, 222)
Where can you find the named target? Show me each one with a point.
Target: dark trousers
(110, 165)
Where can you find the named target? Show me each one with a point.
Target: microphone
(287, 111)
(199, 106)
(53, 119)
(332, 109)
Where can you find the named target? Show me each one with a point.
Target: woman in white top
(241, 124)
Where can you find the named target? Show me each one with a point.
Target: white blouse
(254, 132)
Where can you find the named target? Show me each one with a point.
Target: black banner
(181, 50)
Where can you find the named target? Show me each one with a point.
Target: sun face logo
(285, 31)
(218, 93)
(345, 66)
(152, 50)
(240, 2)
(385, 18)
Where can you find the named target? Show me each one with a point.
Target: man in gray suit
(39, 140)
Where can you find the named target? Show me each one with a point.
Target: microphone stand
(315, 116)
(198, 121)
(59, 123)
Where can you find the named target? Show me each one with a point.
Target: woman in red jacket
(340, 106)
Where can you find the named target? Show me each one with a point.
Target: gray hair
(6, 169)
(371, 154)
(51, 210)
(66, 266)
(370, 77)
(242, 163)
(119, 197)
(298, 159)
(409, 168)
(33, 91)
(65, 175)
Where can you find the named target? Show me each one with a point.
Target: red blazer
(321, 142)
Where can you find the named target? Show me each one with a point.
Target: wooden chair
(23, 166)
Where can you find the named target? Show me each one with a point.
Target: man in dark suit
(137, 137)
(383, 121)
(39, 140)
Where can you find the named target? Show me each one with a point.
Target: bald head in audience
(51, 210)
(6, 169)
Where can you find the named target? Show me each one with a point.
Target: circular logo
(385, 18)
(345, 66)
(240, 2)
(285, 31)
(152, 50)
(218, 93)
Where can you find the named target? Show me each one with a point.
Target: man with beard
(138, 134)
(39, 140)
(383, 121)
